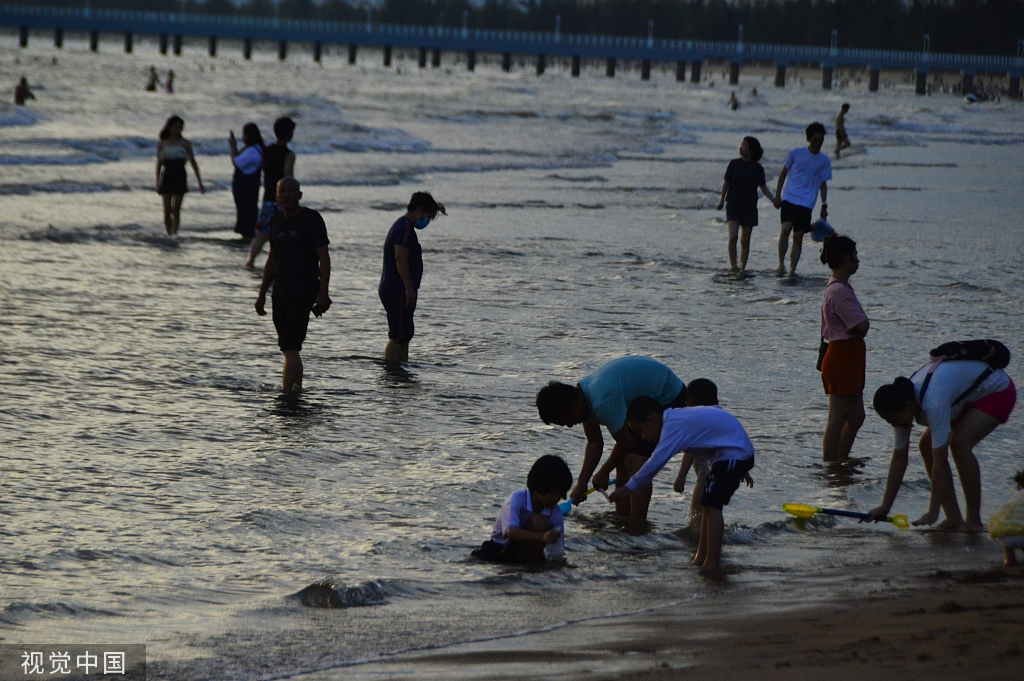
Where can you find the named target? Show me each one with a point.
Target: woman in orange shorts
(843, 325)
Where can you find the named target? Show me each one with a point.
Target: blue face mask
(422, 224)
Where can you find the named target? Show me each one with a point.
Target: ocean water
(155, 487)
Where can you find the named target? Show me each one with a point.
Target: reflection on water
(158, 488)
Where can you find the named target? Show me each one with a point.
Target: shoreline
(958, 615)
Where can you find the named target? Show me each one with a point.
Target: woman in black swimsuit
(172, 153)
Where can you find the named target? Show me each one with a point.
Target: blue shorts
(267, 213)
(723, 481)
(400, 324)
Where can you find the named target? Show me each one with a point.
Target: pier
(472, 42)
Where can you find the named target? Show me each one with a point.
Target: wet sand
(957, 615)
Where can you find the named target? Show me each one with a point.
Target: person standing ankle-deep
(805, 174)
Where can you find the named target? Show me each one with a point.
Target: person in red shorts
(959, 402)
(843, 325)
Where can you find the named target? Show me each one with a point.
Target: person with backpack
(960, 397)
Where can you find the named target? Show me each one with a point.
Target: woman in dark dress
(172, 153)
(245, 184)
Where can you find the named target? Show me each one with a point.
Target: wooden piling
(734, 73)
(922, 83)
(541, 64)
(695, 71)
(128, 42)
(575, 66)
(609, 67)
(873, 80)
(968, 83)
(282, 50)
(213, 46)
(471, 60)
(58, 38)
(247, 48)
(23, 36)
(387, 55)
(506, 61)
(94, 41)
(177, 45)
(826, 77)
(352, 49)
(780, 75)
(645, 69)
(318, 51)
(163, 43)
(435, 58)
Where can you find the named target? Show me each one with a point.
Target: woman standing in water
(245, 184)
(172, 153)
(843, 325)
(743, 177)
(403, 270)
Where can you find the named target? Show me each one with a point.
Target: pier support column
(576, 66)
(734, 73)
(247, 48)
(352, 49)
(922, 83)
(94, 41)
(163, 43)
(282, 50)
(423, 58)
(128, 42)
(541, 64)
(58, 38)
(213, 46)
(23, 36)
(968, 83)
(645, 69)
(780, 75)
(826, 78)
(387, 55)
(1014, 87)
(177, 45)
(609, 67)
(680, 71)
(695, 71)
(435, 58)
(318, 51)
(471, 60)
(506, 61)
(873, 80)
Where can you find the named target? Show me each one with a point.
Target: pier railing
(485, 40)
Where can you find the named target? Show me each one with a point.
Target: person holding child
(710, 433)
(529, 529)
(959, 402)
(601, 399)
(743, 177)
(844, 326)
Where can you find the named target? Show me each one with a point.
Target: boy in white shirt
(805, 173)
(529, 530)
(710, 433)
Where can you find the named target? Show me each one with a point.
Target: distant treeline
(970, 26)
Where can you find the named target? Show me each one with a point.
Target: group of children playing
(530, 529)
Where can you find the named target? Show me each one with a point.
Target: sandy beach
(930, 619)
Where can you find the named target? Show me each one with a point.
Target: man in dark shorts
(601, 399)
(300, 269)
(402, 273)
(807, 171)
(842, 139)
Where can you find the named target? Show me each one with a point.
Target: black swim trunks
(841, 135)
(291, 318)
(400, 323)
(743, 213)
(723, 481)
(799, 216)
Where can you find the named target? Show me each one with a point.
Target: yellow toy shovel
(804, 511)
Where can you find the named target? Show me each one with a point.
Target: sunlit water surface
(156, 487)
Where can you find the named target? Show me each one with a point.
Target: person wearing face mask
(402, 272)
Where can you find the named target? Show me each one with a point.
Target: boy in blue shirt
(530, 522)
(710, 433)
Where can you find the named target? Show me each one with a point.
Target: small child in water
(710, 433)
(1007, 525)
(530, 522)
(700, 392)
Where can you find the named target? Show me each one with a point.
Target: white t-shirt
(948, 382)
(516, 511)
(250, 160)
(708, 433)
(806, 173)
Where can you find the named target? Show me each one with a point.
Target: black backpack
(986, 350)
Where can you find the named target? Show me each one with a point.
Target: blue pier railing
(488, 41)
